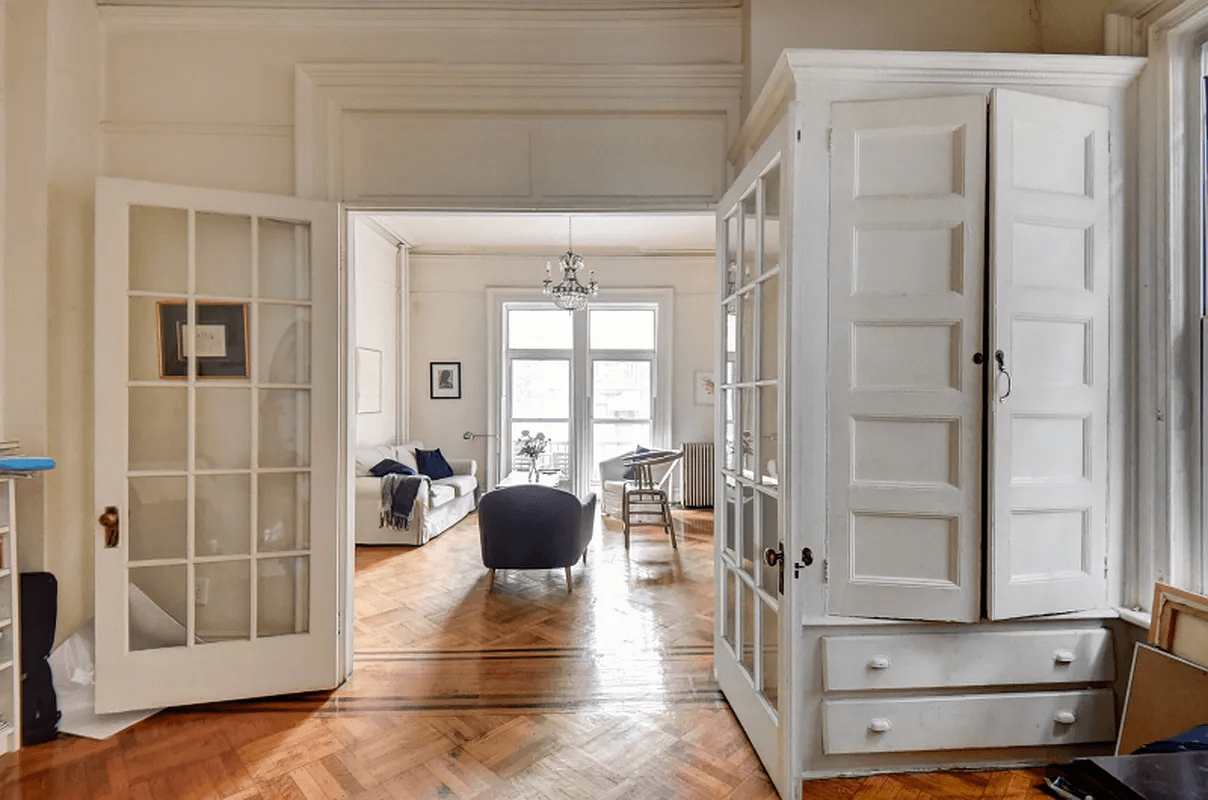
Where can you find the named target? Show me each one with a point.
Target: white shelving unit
(10, 651)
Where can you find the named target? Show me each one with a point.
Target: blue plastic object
(25, 463)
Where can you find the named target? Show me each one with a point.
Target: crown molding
(497, 14)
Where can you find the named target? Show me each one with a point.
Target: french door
(588, 382)
(752, 628)
(217, 443)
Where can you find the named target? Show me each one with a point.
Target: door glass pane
(144, 339)
(284, 260)
(158, 436)
(284, 428)
(750, 240)
(556, 455)
(158, 521)
(223, 600)
(770, 637)
(284, 512)
(752, 556)
(771, 219)
(748, 369)
(282, 596)
(221, 340)
(159, 249)
(284, 344)
(769, 540)
(224, 428)
(730, 429)
(158, 607)
(224, 255)
(621, 329)
(746, 596)
(769, 332)
(746, 435)
(769, 436)
(540, 329)
(621, 390)
(731, 315)
(224, 513)
(540, 389)
(729, 605)
(729, 540)
(731, 285)
(613, 438)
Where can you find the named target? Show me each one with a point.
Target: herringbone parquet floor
(528, 692)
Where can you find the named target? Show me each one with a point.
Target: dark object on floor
(1194, 739)
(1153, 776)
(530, 526)
(39, 704)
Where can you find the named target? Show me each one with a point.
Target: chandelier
(568, 293)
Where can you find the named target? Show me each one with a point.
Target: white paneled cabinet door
(1049, 258)
(752, 637)
(906, 309)
(217, 440)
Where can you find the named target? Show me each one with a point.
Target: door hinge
(1104, 566)
(825, 570)
(798, 135)
(1109, 142)
(830, 139)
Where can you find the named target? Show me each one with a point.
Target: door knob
(1001, 358)
(112, 525)
(773, 557)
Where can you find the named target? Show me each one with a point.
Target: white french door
(217, 444)
(752, 639)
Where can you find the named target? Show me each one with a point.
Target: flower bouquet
(531, 447)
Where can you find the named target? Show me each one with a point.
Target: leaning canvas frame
(1179, 624)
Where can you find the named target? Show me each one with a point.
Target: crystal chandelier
(568, 293)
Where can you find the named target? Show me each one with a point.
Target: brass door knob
(112, 525)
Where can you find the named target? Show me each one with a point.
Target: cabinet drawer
(968, 721)
(918, 661)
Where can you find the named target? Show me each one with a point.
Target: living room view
(464, 365)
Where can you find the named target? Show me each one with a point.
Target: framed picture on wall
(444, 380)
(218, 339)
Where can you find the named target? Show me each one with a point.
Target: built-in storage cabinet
(952, 403)
(10, 651)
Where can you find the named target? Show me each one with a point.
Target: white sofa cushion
(440, 493)
(405, 453)
(462, 484)
(367, 457)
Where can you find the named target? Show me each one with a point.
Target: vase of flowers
(531, 447)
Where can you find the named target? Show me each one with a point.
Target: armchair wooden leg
(625, 517)
(491, 580)
(569, 588)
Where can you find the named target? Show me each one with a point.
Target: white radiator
(698, 475)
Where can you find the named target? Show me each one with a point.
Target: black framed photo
(444, 380)
(219, 341)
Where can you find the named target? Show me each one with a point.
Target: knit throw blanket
(398, 499)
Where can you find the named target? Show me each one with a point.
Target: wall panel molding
(508, 136)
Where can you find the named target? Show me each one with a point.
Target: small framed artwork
(218, 340)
(703, 388)
(369, 380)
(444, 380)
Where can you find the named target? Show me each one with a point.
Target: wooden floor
(529, 692)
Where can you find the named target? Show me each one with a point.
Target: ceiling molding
(495, 14)
(1127, 25)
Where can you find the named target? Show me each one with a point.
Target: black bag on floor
(39, 705)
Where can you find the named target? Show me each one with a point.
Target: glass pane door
(621, 408)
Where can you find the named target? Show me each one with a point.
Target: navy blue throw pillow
(631, 473)
(388, 466)
(433, 464)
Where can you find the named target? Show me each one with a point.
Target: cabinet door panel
(906, 283)
(1049, 262)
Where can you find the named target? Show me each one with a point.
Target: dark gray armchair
(534, 527)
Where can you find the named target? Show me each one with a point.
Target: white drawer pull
(1065, 717)
(879, 662)
(1064, 656)
(880, 725)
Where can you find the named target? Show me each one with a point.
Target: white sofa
(438, 506)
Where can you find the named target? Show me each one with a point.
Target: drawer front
(923, 660)
(963, 722)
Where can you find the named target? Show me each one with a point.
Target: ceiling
(545, 234)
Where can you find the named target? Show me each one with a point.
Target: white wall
(449, 318)
(375, 266)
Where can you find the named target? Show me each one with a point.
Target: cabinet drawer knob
(1065, 717)
(1064, 656)
(878, 662)
(880, 725)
